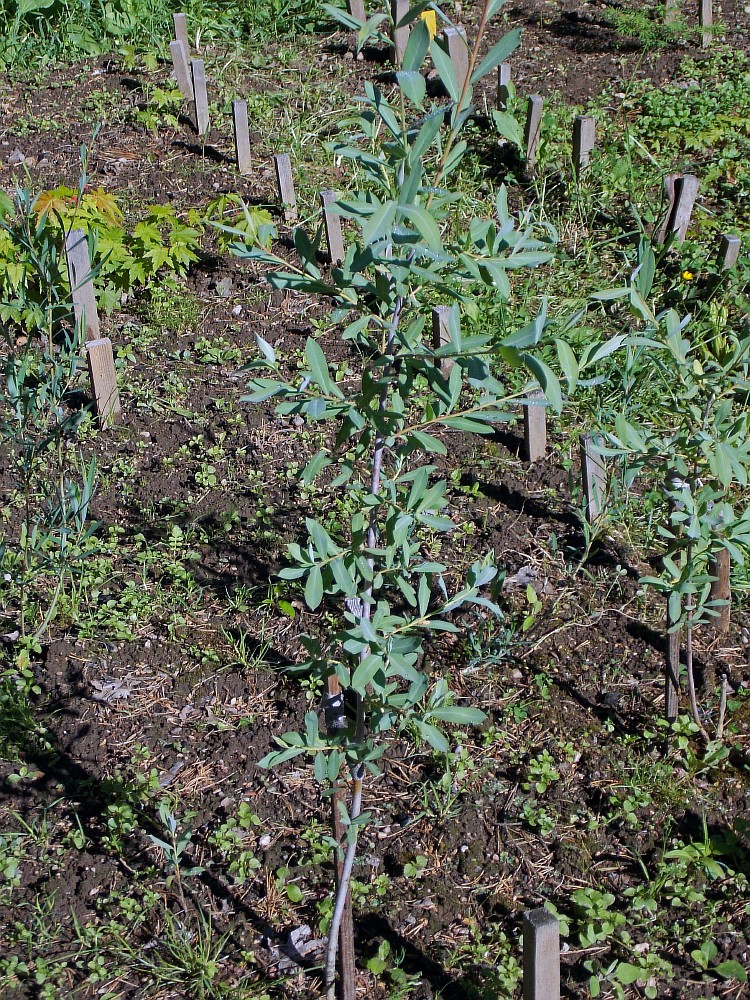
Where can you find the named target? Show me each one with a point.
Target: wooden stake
(584, 137)
(594, 478)
(672, 673)
(335, 717)
(400, 36)
(681, 191)
(671, 11)
(535, 426)
(674, 639)
(503, 86)
(441, 335)
(541, 956)
(285, 182)
(180, 30)
(101, 364)
(332, 224)
(357, 9)
(82, 283)
(181, 69)
(705, 20)
(533, 127)
(241, 136)
(200, 96)
(729, 251)
(721, 589)
(458, 50)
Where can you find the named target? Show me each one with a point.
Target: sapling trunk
(365, 606)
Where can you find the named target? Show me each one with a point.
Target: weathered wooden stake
(399, 10)
(672, 672)
(200, 95)
(335, 716)
(101, 364)
(99, 355)
(729, 251)
(671, 11)
(535, 426)
(241, 135)
(180, 30)
(441, 335)
(721, 589)
(681, 191)
(181, 70)
(458, 50)
(285, 182)
(541, 956)
(533, 127)
(584, 137)
(594, 477)
(503, 86)
(674, 639)
(705, 20)
(357, 9)
(82, 283)
(332, 225)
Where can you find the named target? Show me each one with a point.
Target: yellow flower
(688, 275)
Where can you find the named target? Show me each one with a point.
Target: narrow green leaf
(314, 588)
(444, 66)
(379, 223)
(568, 363)
(413, 85)
(416, 49)
(425, 223)
(497, 54)
(318, 366)
(365, 672)
(459, 715)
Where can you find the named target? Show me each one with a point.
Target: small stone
(237, 311)
(16, 157)
(224, 288)
(265, 841)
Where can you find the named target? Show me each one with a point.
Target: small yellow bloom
(688, 275)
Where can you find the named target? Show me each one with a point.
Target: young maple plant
(409, 250)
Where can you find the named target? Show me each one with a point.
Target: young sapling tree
(409, 251)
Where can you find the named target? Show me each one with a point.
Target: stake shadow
(206, 151)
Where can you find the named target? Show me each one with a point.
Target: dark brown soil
(173, 700)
